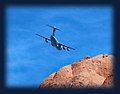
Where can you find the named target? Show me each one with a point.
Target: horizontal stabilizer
(53, 27)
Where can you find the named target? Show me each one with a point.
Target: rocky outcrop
(89, 72)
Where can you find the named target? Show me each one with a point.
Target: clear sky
(30, 60)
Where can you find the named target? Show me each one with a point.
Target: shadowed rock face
(89, 72)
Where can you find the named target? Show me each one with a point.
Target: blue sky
(30, 60)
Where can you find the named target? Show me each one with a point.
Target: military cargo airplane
(54, 41)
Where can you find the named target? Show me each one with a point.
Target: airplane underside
(59, 47)
(54, 42)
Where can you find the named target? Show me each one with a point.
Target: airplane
(54, 41)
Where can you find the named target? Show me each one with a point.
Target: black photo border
(116, 48)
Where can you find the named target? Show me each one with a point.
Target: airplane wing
(43, 37)
(66, 46)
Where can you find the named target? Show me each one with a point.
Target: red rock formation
(89, 72)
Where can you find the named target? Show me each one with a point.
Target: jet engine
(64, 48)
(68, 49)
(46, 40)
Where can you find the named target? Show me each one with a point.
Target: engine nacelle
(46, 40)
(64, 48)
(68, 49)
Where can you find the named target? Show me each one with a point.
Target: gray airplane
(54, 41)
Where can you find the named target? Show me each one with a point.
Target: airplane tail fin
(54, 28)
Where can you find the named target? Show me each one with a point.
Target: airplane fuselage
(55, 43)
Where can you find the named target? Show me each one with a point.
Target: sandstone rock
(89, 72)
